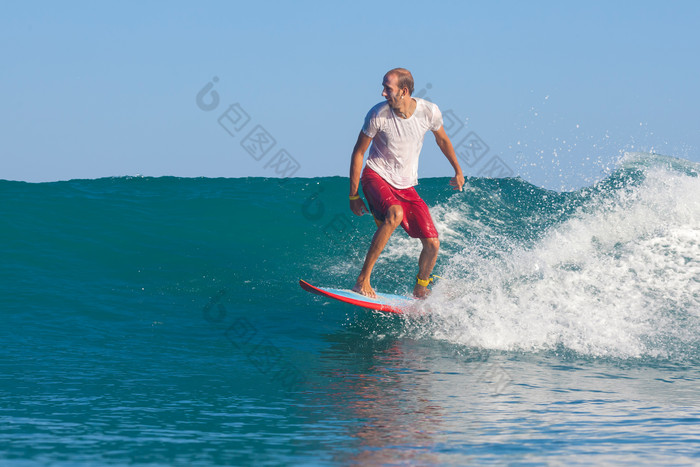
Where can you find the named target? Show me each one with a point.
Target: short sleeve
(436, 119)
(371, 125)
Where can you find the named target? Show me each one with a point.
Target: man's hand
(357, 206)
(457, 182)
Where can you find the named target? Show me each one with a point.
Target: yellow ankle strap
(423, 283)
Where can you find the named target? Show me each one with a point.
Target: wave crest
(616, 273)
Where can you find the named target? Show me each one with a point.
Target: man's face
(391, 91)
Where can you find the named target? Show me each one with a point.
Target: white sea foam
(619, 278)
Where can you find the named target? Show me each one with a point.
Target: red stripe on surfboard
(324, 293)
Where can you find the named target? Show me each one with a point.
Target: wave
(610, 270)
(616, 275)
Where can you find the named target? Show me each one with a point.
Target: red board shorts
(380, 195)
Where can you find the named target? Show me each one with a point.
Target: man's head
(398, 84)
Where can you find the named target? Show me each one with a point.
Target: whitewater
(159, 321)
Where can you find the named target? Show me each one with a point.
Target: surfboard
(389, 303)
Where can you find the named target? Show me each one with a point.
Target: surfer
(396, 128)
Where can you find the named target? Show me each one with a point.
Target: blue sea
(159, 321)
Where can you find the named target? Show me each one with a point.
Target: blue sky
(551, 91)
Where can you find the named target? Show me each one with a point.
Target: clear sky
(551, 91)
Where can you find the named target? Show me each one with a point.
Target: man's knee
(394, 215)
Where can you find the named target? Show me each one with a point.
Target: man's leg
(426, 263)
(393, 219)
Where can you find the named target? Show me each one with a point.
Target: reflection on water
(383, 389)
(400, 400)
(387, 391)
(372, 397)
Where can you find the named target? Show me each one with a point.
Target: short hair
(405, 78)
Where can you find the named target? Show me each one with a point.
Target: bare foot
(420, 292)
(365, 289)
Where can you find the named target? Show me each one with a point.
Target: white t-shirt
(397, 141)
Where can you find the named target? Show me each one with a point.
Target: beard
(394, 102)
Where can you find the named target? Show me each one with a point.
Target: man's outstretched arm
(443, 141)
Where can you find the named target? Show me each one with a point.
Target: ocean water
(158, 321)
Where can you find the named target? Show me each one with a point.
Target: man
(396, 129)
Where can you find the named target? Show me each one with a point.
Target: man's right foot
(365, 289)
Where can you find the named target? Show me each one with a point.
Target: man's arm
(358, 154)
(443, 141)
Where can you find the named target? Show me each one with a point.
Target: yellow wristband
(353, 198)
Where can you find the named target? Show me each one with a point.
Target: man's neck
(406, 108)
